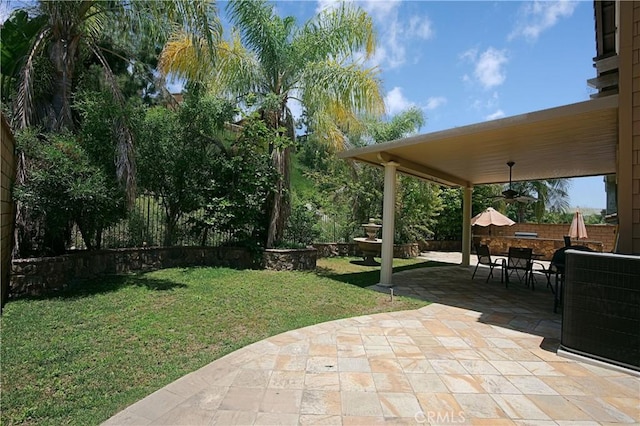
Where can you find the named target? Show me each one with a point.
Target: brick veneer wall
(6, 225)
(606, 234)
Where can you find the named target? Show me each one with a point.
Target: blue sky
(465, 62)
(472, 61)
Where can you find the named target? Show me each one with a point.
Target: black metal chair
(556, 267)
(484, 258)
(519, 261)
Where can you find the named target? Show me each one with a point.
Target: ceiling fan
(511, 196)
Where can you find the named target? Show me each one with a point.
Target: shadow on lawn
(106, 284)
(371, 274)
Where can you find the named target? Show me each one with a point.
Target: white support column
(388, 223)
(466, 226)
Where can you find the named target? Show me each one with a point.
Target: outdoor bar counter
(542, 247)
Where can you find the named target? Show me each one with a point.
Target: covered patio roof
(568, 141)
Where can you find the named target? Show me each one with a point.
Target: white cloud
(396, 102)
(540, 16)
(469, 55)
(394, 31)
(380, 9)
(489, 68)
(489, 103)
(435, 102)
(420, 27)
(391, 51)
(327, 4)
(498, 114)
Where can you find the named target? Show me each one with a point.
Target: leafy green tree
(16, 36)
(240, 183)
(552, 195)
(449, 222)
(176, 152)
(64, 33)
(356, 191)
(416, 201)
(63, 187)
(301, 228)
(271, 61)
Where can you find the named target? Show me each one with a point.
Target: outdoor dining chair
(484, 258)
(556, 268)
(519, 262)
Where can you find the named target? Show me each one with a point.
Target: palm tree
(270, 61)
(552, 194)
(70, 30)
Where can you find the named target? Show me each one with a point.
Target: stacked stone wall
(400, 251)
(49, 274)
(290, 260)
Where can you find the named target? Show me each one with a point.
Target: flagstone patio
(481, 354)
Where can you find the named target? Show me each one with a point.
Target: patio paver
(480, 354)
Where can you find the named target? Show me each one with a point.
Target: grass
(85, 354)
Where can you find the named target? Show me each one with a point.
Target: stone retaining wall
(400, 251)
(290, 260)
(42, 275)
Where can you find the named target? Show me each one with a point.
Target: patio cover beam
(568, 141)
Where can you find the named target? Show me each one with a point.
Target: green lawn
(82, 356)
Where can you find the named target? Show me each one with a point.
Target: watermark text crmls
(440, 417)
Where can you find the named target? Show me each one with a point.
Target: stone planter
(290, 259)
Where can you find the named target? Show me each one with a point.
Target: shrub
(61, 186)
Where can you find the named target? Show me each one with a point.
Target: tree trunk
(520, 213)
(279, 205)
(63, 54)
(173, 215)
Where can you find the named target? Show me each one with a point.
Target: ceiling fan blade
(525, 199)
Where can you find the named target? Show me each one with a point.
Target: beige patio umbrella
(491, 217)
(577, 229)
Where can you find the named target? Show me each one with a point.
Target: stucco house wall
(7, 213)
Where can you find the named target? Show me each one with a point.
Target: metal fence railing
(145, 225)
(332, 230)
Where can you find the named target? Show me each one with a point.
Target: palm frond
(255, 21)
(325, 127)
(238, 71)
(356, 88)
(125, 158)
(182, 58)
(338, 32)
(24, 108)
